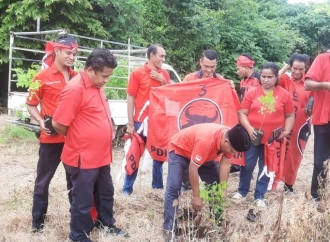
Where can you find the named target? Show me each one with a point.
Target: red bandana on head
(244, 61)
(68, 43)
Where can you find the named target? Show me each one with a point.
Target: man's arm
(311, 85)
(60, 128)
(34, 112)
(284, 69)
(224, 169)
(130, 114)
(197, 202)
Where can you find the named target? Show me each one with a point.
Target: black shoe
(234, 169)
(114, 231)
(37, 229)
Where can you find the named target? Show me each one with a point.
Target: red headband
(50, 53)
(244, 61)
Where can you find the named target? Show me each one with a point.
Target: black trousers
(87, 182)
(321, 154)
(49, 159)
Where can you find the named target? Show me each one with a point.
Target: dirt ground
(141, 213)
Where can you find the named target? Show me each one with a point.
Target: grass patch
(16, 132)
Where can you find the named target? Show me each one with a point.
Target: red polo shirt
(52, 83)
(85, 110)
(320, 72)
(272, 121)
(199, 143)
(139, 86)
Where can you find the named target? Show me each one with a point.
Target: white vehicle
(129, 57)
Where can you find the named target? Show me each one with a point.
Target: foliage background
(268, 29)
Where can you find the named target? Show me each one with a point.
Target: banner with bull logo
(178, 106)
(299, 135)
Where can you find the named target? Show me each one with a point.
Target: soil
(286, 218)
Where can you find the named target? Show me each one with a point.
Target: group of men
(82, 134)
(76, 129)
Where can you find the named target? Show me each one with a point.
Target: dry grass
(142, 213)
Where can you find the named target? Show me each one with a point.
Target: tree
(74, 15)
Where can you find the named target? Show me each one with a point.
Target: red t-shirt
(52, 83)
(199, 143)
(139, 86)
(320, 72)
(85, 110)
(272, 121)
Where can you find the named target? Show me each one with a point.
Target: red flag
(134, 154)
(178, 106)
(274, 162)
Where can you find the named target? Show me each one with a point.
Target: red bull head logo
(302, 137)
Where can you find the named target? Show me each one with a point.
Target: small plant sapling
(267, 106)
(215, 198)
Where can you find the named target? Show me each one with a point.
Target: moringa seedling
(267, 106)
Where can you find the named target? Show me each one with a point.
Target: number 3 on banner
(203, 91)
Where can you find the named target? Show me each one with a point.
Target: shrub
(17, 132)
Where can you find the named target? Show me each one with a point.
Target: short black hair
(153, 49)
(210, 54)
(301, 58)
(100, 58)
(247, 55)
(273, 67)
(66, 40)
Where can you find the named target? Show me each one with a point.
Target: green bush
(119, 79)
(25, 77)
(17, 132)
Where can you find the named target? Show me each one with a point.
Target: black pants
(321, 154)
(49, 159)
(87, 182)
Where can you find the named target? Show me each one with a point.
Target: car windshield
(173, 77)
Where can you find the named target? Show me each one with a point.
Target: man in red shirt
(195, 148)
(208, 63)
(46, 93)
(83, 116)
(318, 81)
(245, 69)
(140, 83)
